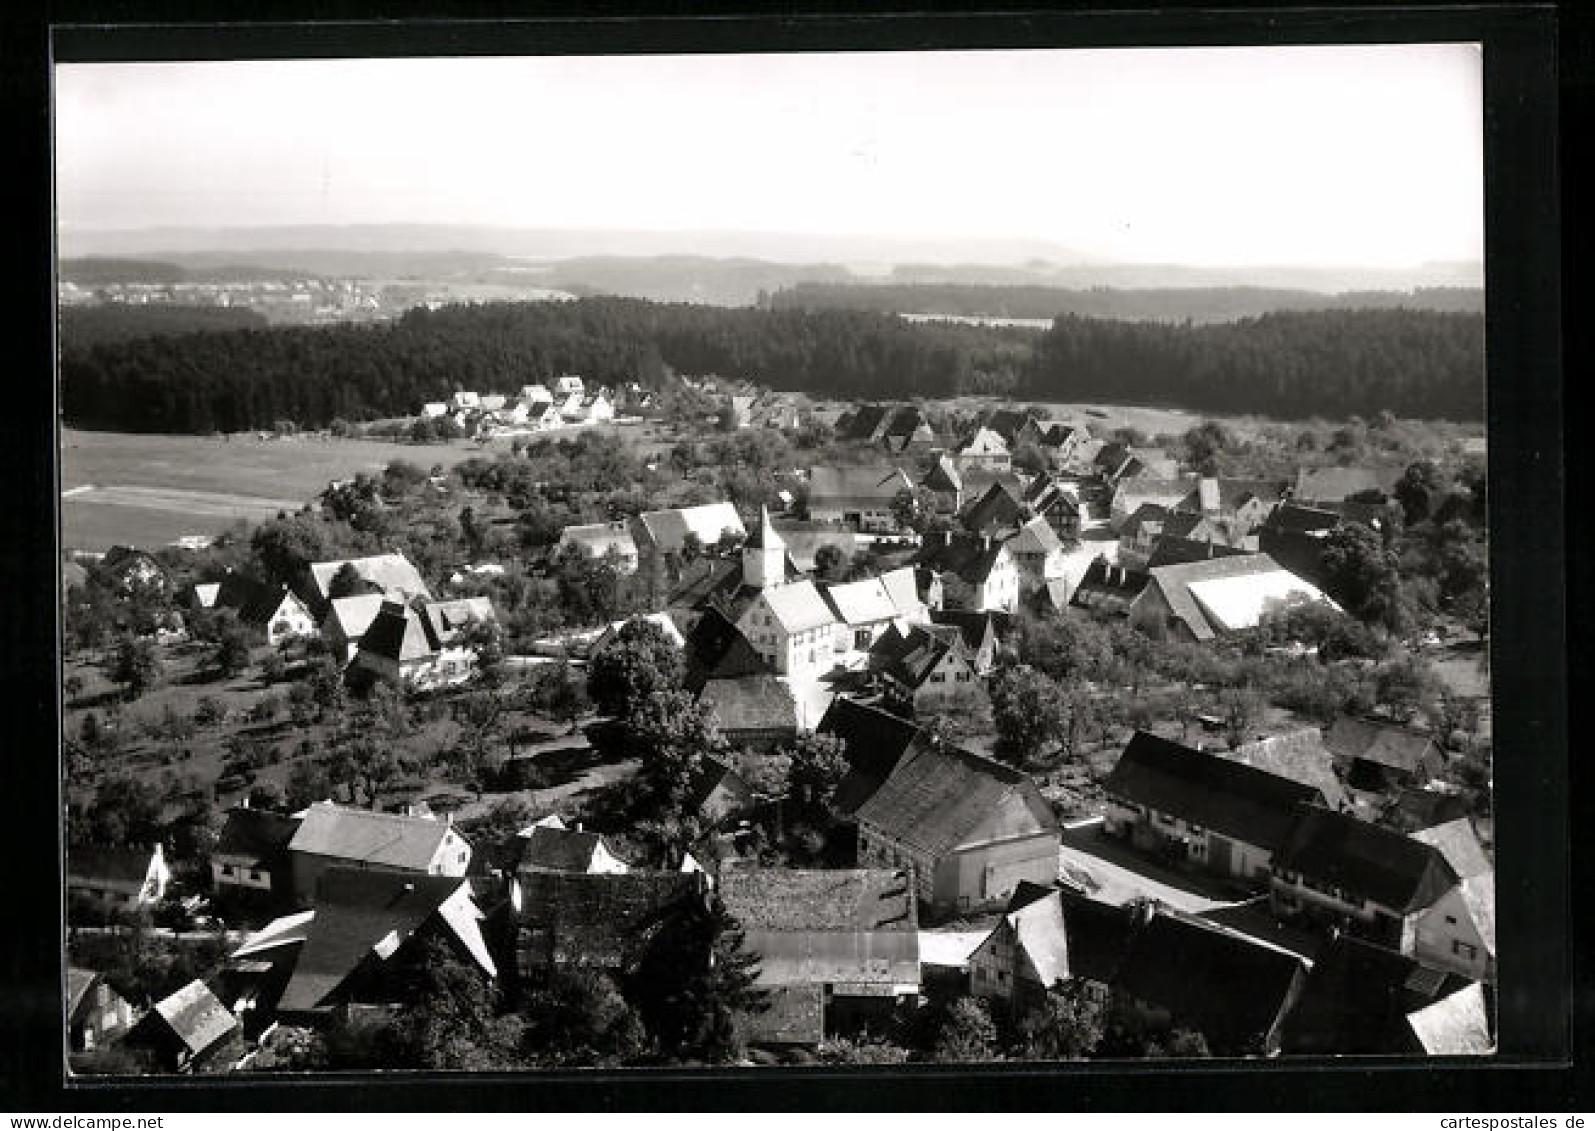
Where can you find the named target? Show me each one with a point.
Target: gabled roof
(353, 615)
(865, 422)
(935, 799)
(875, 741)
(764, 536)
(446, 620)
(943, 476)
(1298, 518)
(97, 862)
(1357, 1000)
(361, 913)
(1148, 489)
(969, 558)
(390, 572)
(254, 601)
(977, 629)
(1168, 550)
(860, 602)
(714, 774)
(833, 899)
(1229, 593)
(878, 483)
(1299, 755)
(197, 1017)
(995, 509)
(397, 633)
(983, 438)
(1035, 537)
(78, 983)
(1478, 895)
(598, 538)
(1109, 587)
(668, 529)
(901, 588)
(384, 839)
(1384, 743)
(1458, 1025)
(1460, 846)
(716, 649)
(1227, 797)
(1098, 934)
(910, 656)
(558, 850)
(1366, 860)
(1039, 931)
(1224, 985)
(1333, 484)
(751, 703)
(598, 919)
(258, 834)
(798, 606)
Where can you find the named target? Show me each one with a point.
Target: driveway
(1115, 873)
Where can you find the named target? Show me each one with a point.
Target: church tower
(764, 555)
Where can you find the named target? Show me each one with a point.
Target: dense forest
(1169, 304)
(84, 327)
(1330, 363)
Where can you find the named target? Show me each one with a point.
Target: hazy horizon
(1334, 157)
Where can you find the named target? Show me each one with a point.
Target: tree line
(1159, 304)
(1333, 363)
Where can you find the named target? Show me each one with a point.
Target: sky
(1312, 156)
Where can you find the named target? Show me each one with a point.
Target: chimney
(578, 826)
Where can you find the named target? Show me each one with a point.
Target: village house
(848, 937)
(864, 498)
(927, 670)
(1027, 953)
(971, 573)
(1108, 590)
(983, 448)
(1365, 1000)
(463, 401)
(1135, 492)
(119, 879)
(568, 384)
(598, 541)
(971, 829)
(347, 621)
(995, 510)
(600, 921)
(1038, 554)
(874, 742)
(982, 633)
(1394, 890)
(367, 930)
(431, 410)
(1182, 972)
(1062, 441)
(423, 649)
(187, 1031)
(1198, 601)
(1015, 426)
(664, 622)
(384, 573)
(333, 836)
(1299, 755)
(1060, 503)
(755, 712)
(1376, 754)
(718, 794)
(249, 865)
(944, 484)
(95, 1013)
(543, 415)
(666, 531)
(1215, 814)
(546, 848)
(789, 623)
(274, 614)
(908, 431)
(1168, 550)
(867, 608)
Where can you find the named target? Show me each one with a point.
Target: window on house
(254, 873)
(1451, 920)
(227, 869)
(1463, 950)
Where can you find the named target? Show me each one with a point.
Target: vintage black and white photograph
(774, 559)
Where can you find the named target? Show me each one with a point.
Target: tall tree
(639, 662)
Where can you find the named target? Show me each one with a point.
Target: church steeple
(764, 555)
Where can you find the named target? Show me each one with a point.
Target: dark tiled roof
(1170, 550)
(1225, 796)
(1300, 756)
(1098, 934)
(1226, 987)
(1297, 518)
(253, 601)
(258, 834)
(1387, 744)
(1109, 587)
(966, 556)
(880, 484)
(558, 850)
(908, 657)
(1357, 999)
(841, 899)
(356, 910)
(976, 628)
(1009, 422)
(994, 510)
(935, 799)
(754, 702)
(570, 919)
(1332, 484)
(97, 862)
(717, 649)
(1365, 860)
(714, 774)
(875, 741)
(397, 634)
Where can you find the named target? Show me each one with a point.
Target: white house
(335, 836)
(789, 624)
(568, 385)
(465, 402)
(434, 409)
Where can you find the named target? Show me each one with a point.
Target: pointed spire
(765, 537)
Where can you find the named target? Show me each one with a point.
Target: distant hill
(1163, 304)
(101, 271)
